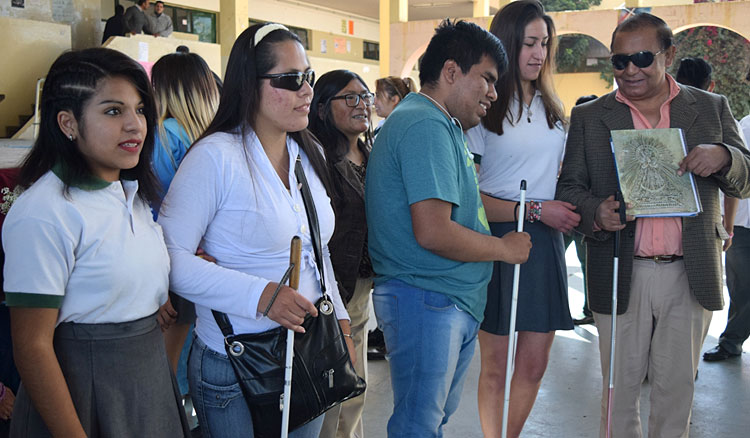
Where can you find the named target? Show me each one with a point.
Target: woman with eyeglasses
(340, 118)
(522, 137)
(389, 92)
(235, 195)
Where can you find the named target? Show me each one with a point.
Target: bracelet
(348, 335)
(535, 211)
(278, 288)
(515, 211)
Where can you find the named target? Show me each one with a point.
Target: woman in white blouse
(235, 195)
(522, 137)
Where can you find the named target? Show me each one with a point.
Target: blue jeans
(430, 343)
(218, 399)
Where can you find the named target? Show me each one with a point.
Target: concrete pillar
(391, 11)
(233, 20)
(481, 8)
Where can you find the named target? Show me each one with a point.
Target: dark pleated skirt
(542, 288)
(119, 379)
(185, 309)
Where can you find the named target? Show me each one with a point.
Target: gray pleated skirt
(119, 379)
(542, 289)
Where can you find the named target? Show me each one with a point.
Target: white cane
(509, 362)
(294, 260)
(613, 327)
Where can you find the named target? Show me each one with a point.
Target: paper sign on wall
(142, 51)
(339, 45)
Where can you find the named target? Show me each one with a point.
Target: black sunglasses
(352, 100)
(641, 59)
(290, 81)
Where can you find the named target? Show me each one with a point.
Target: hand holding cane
(509, 362)
(613, 328)
(294, 263)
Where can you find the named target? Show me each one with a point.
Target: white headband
(265, 30)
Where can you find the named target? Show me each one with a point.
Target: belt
(660, 258)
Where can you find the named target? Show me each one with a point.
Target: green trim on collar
(16, 299)
(88, 183)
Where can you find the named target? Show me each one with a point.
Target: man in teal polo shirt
(429, 239)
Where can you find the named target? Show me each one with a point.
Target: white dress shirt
(227, 199)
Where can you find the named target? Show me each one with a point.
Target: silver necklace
(453, 119)
(528, 111)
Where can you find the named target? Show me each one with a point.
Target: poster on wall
(62, 10)
(339, 45)
(17, 3)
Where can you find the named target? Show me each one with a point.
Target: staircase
(10, 131)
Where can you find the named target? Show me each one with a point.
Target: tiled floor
(568, 402)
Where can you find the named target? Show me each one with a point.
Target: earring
(70, 137)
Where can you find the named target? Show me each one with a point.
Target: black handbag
(322, 374)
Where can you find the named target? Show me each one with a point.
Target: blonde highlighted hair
(185, 90)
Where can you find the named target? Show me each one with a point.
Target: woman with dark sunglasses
(340, 117)
(522, 137)
(235, 195)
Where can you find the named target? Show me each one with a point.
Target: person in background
(86, 267)
(695, 72)
(115, 25)
(670, 274)
(522, 138)
(235, 195)
(186, 101)
(588, 317)
(161, 23)
(340, 115)
(136, 20)
(389, 91)
(429, 239)
(737, 249)
(9, 378)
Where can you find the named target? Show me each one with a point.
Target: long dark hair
(323, 126)
(509, 25)
(240, 98)
(71, 82)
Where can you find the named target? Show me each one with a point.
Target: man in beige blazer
(670, 275)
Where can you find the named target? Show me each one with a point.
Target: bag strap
(312, 220)
(222, 320)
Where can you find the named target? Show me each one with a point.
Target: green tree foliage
(572, 49)
(571, 57)
(568, 5)
(729, 55)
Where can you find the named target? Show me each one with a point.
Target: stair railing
(37, 99)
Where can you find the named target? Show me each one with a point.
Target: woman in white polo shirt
(522, 137)
(236, 196)
(86, 267)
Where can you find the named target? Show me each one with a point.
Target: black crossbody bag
(322, 374)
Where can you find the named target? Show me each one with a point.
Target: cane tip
(523, 184)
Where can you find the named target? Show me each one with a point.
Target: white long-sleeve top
(227, 199)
